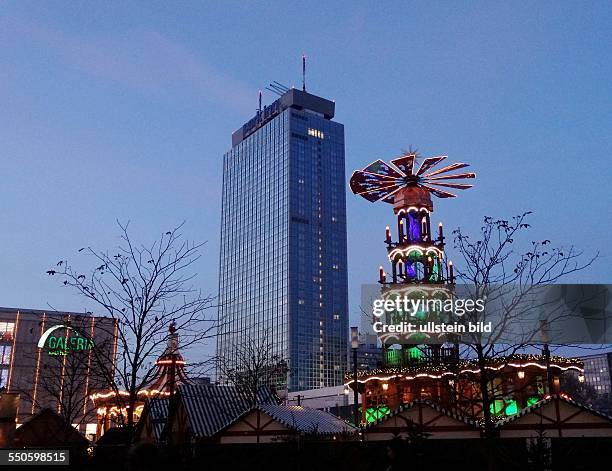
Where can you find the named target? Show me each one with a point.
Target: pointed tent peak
(172, 344)
(170, 366)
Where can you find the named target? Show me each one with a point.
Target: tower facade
(283, 269)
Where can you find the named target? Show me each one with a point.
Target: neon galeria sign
(63, 339)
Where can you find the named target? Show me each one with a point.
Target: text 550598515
(34, 457)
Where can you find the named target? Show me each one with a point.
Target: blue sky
(124, 110)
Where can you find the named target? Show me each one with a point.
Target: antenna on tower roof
(303, 72)
(281, 86)
(259, 108)
(277, 88)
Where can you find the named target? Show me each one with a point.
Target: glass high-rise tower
(283, 273)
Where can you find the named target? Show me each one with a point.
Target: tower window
(316, 133)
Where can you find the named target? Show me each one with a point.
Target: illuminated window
(3, 377)
(6, 331)
(316, 133)
(5, 354)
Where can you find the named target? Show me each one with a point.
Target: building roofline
(292, 98)
(40, 312)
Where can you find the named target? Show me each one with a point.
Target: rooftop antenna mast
(303, 72)
(259, 109)
(277, 88)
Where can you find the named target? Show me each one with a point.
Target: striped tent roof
(306, 420)
(158, 409)
(543, 402)
(210, 408)
(425, 402)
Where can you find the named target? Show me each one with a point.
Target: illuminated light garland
(143, 392)
(433, 289)
(468, 362)
(114, 411)
(170, 362)
(518, 361)
(12, 360)
(37, 372)
(519, 365)
(415, 248)
(407, 210)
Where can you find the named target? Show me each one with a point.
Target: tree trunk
(130, 410)
(489, 430)
(484, 392)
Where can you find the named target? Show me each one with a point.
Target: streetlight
(354, 347)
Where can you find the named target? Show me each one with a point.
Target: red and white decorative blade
(428, 163)
(453, 177)
(362, 182)
(379, 193)
(373, 186)
(459, 186)
(448, 168)
(439, 193)
(381, 168)
(405, 163)
(390, 198)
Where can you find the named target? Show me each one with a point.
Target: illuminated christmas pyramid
(428, 367)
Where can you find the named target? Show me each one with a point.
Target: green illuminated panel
(393, 357)
(373, 413)
(414, 353)
(497, 407)
(434, 270)
(504, 407)
(532, 400)
(511, 407)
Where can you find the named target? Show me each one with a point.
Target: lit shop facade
(50, 359)
(515, 382)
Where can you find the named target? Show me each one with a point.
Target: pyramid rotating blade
(458, 186)
(428, 163)
(439, 193)
(405, 163)
(448, 168)
(381, 168)
(455, 176)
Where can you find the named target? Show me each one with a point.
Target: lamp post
(549, 378)
(546, 352)
(354, 347)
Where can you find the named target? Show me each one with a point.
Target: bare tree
(145, 289)
(493, 269)
(256, 366)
